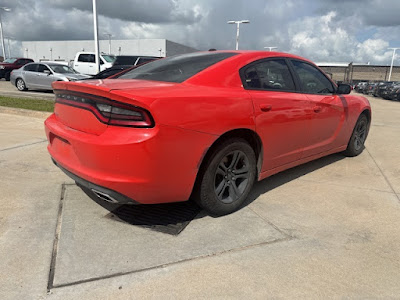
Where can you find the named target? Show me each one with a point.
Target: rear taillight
(108, 111)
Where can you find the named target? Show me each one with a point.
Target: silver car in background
(39, 76)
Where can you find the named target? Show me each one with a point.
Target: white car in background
(85, 63)
(40, 76)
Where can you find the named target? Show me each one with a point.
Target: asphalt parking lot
(327, 229)
(7, 89)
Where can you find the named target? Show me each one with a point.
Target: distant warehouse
(356, 72)
(66, 50)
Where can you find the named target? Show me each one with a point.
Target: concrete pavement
(327, 229)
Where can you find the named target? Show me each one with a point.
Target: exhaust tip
(104, 196)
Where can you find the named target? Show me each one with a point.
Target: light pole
(96, 38)
(270, 48)
(109, 42)
(237, 29)
(1, 30)
(51, 53)
(9, 50)
(391, 65)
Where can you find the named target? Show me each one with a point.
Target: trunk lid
(135, 92)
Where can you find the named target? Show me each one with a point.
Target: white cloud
(323, 39)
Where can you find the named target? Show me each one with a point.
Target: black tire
(358, 137)
(20, 84)
(7, 76)
(226, 178)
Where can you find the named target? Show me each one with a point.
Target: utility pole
(96, 38)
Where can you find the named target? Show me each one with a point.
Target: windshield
(10, 60)
(176, 68)
(62, 69)
(108, 58)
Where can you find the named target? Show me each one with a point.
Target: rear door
(282, 115)
(328, 109)
(29, 75)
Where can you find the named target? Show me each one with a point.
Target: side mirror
(343, 89)
(47, 72)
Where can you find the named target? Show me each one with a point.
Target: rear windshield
(176, 68)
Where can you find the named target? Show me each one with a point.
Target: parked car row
(26, 74)
(389, 90)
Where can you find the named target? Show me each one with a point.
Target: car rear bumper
(143, 165)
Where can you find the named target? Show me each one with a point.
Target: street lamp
(51, 53)
(391, 65)
(109, 42)
(270, 48)
(237, 29)
(1, 30)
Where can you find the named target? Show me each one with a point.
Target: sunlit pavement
(326, 229)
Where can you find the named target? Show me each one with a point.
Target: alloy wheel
(232, 176)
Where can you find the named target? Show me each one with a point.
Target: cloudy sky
(321, 30)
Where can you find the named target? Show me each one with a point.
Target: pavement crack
(384, 176)
(50, 283)
(21, 146)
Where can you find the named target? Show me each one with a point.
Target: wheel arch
(247, 134)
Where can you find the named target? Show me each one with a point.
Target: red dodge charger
(203, 125)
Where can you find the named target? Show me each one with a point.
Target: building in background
(66, 50)
(357, 72)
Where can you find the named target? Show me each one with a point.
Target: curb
(24, 112)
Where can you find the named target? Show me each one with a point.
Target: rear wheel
(20, 84)
(357, 139)
(227, 177)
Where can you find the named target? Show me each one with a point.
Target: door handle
(265, 107)
(317, 109)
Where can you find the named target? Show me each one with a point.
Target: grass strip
(25, 103)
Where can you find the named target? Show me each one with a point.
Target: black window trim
(297, 79)
(291, 71)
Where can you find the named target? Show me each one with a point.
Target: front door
(282, 115)
(329, 110)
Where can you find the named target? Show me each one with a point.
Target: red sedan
(204, 125)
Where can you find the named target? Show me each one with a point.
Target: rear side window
(271, 74)
(31, 68)
(86, 58)
(312, 80)
(176, 68)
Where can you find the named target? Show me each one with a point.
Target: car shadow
(172, 218)
(289, 175)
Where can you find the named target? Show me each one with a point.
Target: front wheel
(358, 137)
(227, 178)
(21, 85)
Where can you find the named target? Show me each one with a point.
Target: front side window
(108, 58)
(176, 68)
(271, 74)
(42, 68)
(62, 69)
(312, 80)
